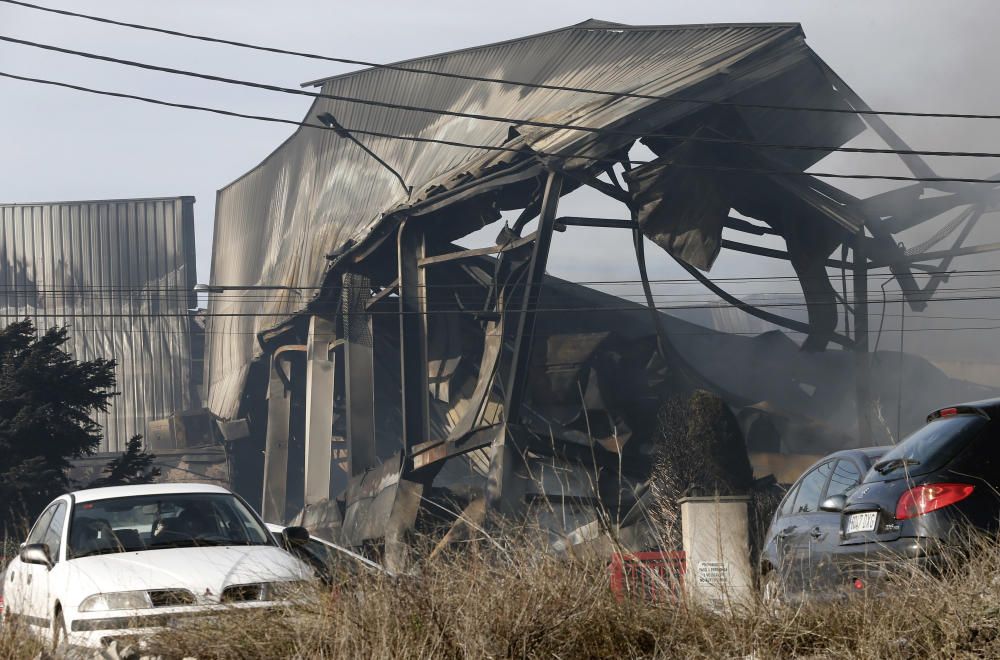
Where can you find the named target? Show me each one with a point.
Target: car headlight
(116, 600)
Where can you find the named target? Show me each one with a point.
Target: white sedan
(112, 564)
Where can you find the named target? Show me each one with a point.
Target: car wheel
(772, 592)
(59, 642)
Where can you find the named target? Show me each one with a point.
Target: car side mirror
(295, 535)
(834, 503)
(36, 553)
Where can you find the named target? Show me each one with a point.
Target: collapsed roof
(318, 194)
(440, 394)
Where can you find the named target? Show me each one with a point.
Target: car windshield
(153, 522)
(928, 448)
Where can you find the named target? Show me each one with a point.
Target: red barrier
(655, 576)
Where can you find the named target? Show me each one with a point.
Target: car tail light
(947, 412)
(930, 497)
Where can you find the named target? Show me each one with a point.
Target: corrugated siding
(119, 274)
(275, 225)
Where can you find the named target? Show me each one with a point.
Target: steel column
(518, 376)
(319, 409)
(500, 491)
(359, 374)
(279, 402)
(862, 367)
(413, 337)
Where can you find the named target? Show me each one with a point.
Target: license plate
(862, 522)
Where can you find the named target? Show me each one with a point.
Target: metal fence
(652, 576)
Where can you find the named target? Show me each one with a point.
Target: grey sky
(59, 144)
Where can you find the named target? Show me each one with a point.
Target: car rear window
(928, 448)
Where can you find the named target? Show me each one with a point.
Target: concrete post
(717, 550)
(319, 410)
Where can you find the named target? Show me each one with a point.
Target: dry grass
(517, 601)
(524, 603)
(16, 643)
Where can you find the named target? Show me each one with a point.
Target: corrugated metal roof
(276, 224)
(119, 274)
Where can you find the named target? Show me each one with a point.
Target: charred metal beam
(435, 451)
(741, 225)
(862, 366)
(411, 248)
(574, 221)
(776, 254)
(524, 334)
(664, 345)
(776, 319)
(359, 372)
(944, 254)
(974, 214)
(386, 291)
(477, 252)
(320, 369)
(913, 162)
(736, 224)
(608, 189)
(279, 404)
(503, 461)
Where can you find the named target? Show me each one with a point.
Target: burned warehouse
(370, 375)
(118, 274)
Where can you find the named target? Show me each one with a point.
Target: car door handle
(816, 532)
(786, 532)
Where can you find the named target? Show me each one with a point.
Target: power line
(486, 79)
(706, 332)
(412, 138)
(251, 288)
(635, 307)
(182, 298)
(497, 118)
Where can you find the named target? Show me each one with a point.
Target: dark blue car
(925, 495)
(803, 537)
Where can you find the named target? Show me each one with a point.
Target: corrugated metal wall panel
(276, 224)
(120, 275)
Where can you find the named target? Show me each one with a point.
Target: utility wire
(707, 332)
(181, 296)
(486, 79)
(320, 305)
(235, 289)
(496, 118)
(412, 138)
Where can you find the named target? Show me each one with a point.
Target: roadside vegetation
(522, 603)
(493, 601)
(48, 401)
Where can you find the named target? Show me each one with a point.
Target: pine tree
(47, 403)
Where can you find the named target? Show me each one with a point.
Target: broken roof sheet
(318, 193)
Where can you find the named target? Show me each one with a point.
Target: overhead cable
(487, 79)
(454, 143)
(493, 118)
(692, 304)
